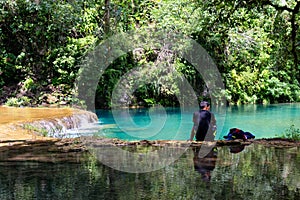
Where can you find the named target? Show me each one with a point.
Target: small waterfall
(64, 127)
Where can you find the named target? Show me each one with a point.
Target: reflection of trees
(258, 172)
(255, 173)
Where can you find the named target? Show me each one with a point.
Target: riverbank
(74, 150)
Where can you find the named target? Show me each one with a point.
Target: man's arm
(192, 134)
(193, 131)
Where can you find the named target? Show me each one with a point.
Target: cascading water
(64, 127)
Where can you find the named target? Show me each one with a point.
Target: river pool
(264, 121)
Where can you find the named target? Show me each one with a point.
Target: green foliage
(45, 40)
(254, 86)
(292, 133)
(67, 59)
(18, 102)
(150, 101)
(12, 102)
(29, 85)
(41, 131)
(254, 45)
(247, 41)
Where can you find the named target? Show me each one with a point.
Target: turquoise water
(264, 121)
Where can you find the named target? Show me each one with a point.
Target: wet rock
(75, 150)
(50, 151)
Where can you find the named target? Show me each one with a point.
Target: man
(204, 123)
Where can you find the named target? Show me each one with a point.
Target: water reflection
(237, 148)
(256, 172)
(205, 165)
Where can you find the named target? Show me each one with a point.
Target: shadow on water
(228, 172)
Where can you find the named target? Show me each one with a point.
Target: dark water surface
(264, 121)
(256, 172)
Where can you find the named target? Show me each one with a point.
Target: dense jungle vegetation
(255, 45)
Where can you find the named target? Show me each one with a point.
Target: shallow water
(264, 121)
(13, 114)
(32, 123)
(254, 173)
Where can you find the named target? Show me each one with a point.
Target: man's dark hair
(203, 104)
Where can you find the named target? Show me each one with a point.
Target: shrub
(292, 133)
(17, 102)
